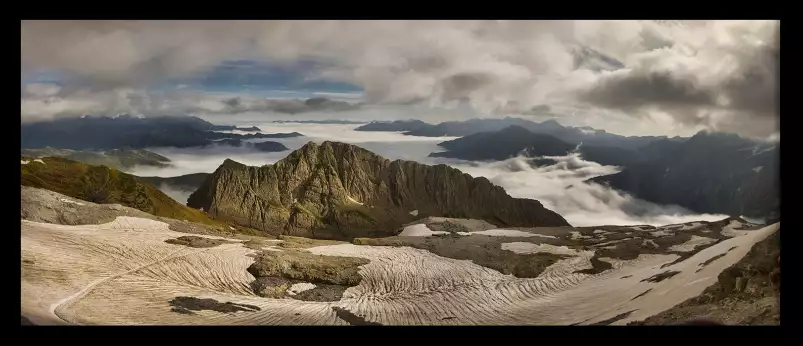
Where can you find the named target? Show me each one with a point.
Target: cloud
(726, 80)
(240, 104)
(561, 188)
(132, 52)
(45, 101)
(716, 74)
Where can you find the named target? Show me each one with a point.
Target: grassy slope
(101, 184)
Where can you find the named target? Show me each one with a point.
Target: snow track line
(57, 308)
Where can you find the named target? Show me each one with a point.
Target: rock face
(337, 190)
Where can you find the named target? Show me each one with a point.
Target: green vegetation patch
(104, 185)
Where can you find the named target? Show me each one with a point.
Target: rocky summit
(338, 190)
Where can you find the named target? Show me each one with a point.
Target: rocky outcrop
(337, 190)
(747, 293)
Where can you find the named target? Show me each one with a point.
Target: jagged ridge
(337, 190)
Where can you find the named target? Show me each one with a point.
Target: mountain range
(709, 173)
(123, 131)
(266, 146)
(516, 140)
(717, 173)
(568, 134)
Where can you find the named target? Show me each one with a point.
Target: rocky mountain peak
(339, 190)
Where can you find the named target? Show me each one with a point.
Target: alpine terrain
(337, 190)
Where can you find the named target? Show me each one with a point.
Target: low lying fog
(559, 187)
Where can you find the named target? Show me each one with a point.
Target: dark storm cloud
(460, 86)
(632, 91)
(743, 99)
(287, 106)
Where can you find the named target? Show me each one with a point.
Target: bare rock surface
(341, 191)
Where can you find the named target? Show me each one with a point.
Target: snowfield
(124, 273)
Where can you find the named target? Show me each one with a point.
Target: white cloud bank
(720, 75)
(559, 187)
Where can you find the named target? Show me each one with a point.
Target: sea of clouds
(561, 186)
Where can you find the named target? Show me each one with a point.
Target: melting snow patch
(577, 235)
(528, 248)
(691, 226)
(508, 233)
(40, 161)
(758, 169)
(419, 230)
(691, 244)
(353, 200)
(599, 231)
(661, 233)
(611, 242)
(23, 162)
(300, 287)
(730, 229)
(649, 242)
(414, 212)
(64, 200)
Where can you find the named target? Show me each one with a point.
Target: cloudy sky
(629, 77)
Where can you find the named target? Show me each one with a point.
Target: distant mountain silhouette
(395, 126)
(572, 135)
(709, 173)
(125, 131)
(516, 140)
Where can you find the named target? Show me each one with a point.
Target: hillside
(103, 185)
(753, 284)
(710, 173)
(337, 190)
(116, 158)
